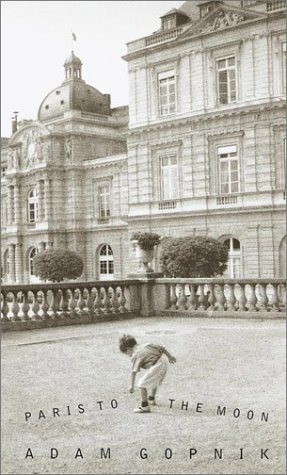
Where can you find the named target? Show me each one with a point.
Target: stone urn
(144, 244)
(145, 257)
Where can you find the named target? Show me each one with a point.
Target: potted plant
(144, 243)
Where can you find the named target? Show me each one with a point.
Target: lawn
(79, 374)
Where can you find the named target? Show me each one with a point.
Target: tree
(57, 264)
(193, 257)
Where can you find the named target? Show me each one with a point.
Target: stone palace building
(199, 151)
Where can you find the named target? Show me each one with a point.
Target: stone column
(19, 264)
(40, 200)
(11, 251)
(17, 204)
(47, 201)
(10, 205)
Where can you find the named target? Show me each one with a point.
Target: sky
(36, 38)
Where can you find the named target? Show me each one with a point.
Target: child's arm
(133, 378)
(171, 358)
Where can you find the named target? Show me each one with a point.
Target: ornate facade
(201, 153)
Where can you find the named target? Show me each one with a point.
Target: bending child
(154, 359)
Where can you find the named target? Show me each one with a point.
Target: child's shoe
(142, 409)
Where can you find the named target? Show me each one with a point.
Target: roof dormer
(173, 19)
(206, 7)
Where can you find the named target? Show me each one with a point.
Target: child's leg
(151, 398)
(153, 392)
(144, 407)
(144, 397)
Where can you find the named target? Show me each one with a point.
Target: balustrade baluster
(98, 303)
(251, 300)
(5, 307)
(35, 306)
(263, 303)
(72, 304)
(81, 303)
(115, 301)
(45, 305)
(211, 297)
(201, 297)
(274, 299)
(54, 304)
(123, 300)
(173, 297)
(192, 301)
(15, 308)
(106, 301)
(282, 294)
(230, 298)
(90, 303)
(64, 304)
(220, 297)
(182, 298)
(242, 298)
(26, 306)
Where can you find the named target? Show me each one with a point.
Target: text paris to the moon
(171, 404)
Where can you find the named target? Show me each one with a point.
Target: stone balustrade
(228, 297)
(43, 305)
(275, 5)
(58, 304)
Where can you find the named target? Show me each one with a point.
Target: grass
(231, 363)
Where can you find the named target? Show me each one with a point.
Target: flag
(74, 36)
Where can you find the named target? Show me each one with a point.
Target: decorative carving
(44, 151)
(223, 20)
(68, 147)
(14, 157)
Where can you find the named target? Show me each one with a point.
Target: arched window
(106, 263)
(32, 254)
(33, 206)
(233, 270)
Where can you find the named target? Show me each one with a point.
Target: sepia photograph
(143, 237)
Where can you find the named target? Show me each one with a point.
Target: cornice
(192, 121)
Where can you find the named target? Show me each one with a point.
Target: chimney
(15, 122)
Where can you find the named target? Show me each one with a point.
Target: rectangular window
(228, 169)
(169, 23)
(169, 177)
(283, 59)
(226, 80)
(104, 201)
(167, 93)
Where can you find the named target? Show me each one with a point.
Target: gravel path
(236, 364)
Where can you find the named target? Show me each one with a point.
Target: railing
(230, 296)
(44, 305)
(157, 38)
(73, 301)
(226, 200)
(276, 5)
(163, 36)
(171, 204)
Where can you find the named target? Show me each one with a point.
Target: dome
(73, 94)
(73, 59)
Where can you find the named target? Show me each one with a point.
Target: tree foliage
(193, 257)
(58, 264)
(146, 241)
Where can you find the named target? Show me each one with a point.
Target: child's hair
(127, 341)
